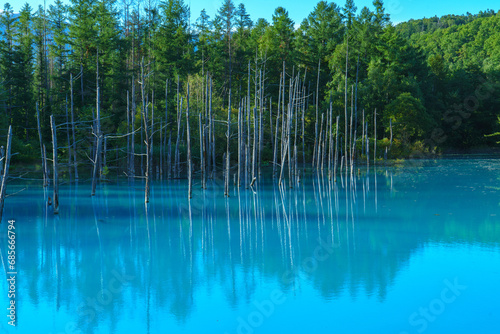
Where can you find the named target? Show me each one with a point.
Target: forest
(147, 86)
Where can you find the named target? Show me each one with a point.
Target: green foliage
(172, 43)
(410, 121)
(462, 55)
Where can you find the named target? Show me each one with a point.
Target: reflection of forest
(176, 249)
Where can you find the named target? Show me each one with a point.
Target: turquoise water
(401, 250)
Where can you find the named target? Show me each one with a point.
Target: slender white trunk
(54, 164)
(190, 167)
(6, 172)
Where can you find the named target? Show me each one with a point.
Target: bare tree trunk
(209, 139)
(142, 148)
(239, 146)
(353, 153)
(254, 151)
(148, 151)
(346, 139)
(255, 120)
(322, 143)
(104, 153)
(202, 153)
(128, 131)
(283, 159)
(276, 132)
(73, 129)
(296, 174)
(375, 137)
(285, 137)
(356, 97)
(147, 134)
(44, 168)
(367, 146)
(315, 149)
(271, 121)
(67, 138)
(2, 156)
(285, 113)
(132, 140)
(224, 171)
(152, 132)
(303, 129)
(166, 124)
(261, 118)
(336, 148)
(160, 170)
(169, 156)
(329, 130)
(177, 158)
(212, 132)
(190, 167)
(228, 135)
(261, 139)
(291, 97)
(318, 159)
(97, 155)
(54, 161)
(247, 146)
(93, 139)
(6, 170)
(248, 127)
(295, 114)
(350, 126)
(363, 134)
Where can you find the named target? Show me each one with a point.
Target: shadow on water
(110, 257)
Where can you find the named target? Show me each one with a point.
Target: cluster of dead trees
(334, 150)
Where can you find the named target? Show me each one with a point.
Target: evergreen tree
(110, 59)
(82, 40)
(58, 51)
(281, 37)
(278, 45)
(349, 12)
(317, 38)
(203, 26)
(23, 72)
(172, 43)
(226, 16)
(241, 46)
(42, 95)
(7, 56)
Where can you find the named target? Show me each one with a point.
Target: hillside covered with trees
(434, 83)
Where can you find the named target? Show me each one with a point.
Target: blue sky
(399, 10)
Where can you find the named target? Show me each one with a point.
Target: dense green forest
(434, 83)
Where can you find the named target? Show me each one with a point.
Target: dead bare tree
(54, 164)
(98, 145)
(44, 161)
(190, 167)
(375, 136)
(228, 153)
(6, 171)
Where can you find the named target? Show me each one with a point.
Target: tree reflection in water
(184, 255)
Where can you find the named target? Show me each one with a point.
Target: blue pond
(409, 249)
